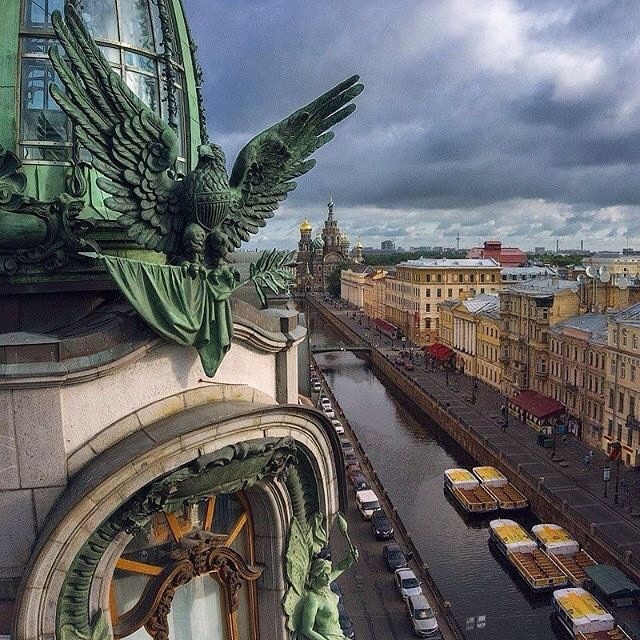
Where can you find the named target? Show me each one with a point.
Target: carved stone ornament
(233, 468)
(35, 235)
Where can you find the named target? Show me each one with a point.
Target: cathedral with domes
(318, 257)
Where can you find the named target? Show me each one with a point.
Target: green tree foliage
(333, 279)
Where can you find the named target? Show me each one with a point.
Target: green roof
(611, 581)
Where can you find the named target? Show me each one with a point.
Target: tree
(333, 279)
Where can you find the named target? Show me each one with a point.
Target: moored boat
(583, 617)
(466, 489)
(536, 569)
(506, 495)
(564, 551)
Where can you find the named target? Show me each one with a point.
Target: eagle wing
(263, 173)
(131, 146)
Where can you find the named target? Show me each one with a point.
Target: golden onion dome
(305, 226)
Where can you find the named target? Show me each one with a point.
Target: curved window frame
(45, 32)
(157, 595)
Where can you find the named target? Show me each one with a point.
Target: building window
(438, 293)
(620, 401)
(623, 369)
(611, 398)
(624, 337)
(427, 308)
(610, 428)
(450, 293)
(222, 526)
(634, 341)
(129, 34)
(482, 277)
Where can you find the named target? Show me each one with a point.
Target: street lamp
(615, 493)
(606, 476)
(474, 386)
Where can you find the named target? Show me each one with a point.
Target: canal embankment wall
(544, 503)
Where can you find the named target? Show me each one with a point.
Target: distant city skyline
(509, 119)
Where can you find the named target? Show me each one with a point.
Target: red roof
(537, 405)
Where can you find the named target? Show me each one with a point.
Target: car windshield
(410, 583)
(371, 505)
(395, 555)
(423, 614)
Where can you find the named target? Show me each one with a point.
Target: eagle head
(209, 154)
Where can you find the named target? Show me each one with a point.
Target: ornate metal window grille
(188, 573)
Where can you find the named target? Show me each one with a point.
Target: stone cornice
(34, 360)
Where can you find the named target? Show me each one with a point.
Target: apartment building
(527, 310)
(622, 384)
(472, 329)
(577, 372)
(419, 286)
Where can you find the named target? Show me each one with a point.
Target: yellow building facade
(472, 329)
(419, 286)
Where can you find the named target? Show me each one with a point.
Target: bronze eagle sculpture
(196, 220)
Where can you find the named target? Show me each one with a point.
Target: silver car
(407, 583)
(422, 617)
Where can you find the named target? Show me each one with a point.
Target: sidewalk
(566, 475)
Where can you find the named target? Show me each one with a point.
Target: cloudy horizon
(504, 119)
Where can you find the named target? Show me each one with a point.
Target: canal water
(410, 455)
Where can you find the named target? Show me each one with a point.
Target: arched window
(129, 33)
(188, 574)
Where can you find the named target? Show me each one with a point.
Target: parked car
(394, 557)
(346, 445)
(422, 617)
(316, 386)
(381, 525)
(367, 502)
(346, 624)
(328, 411)
(323, 401)
(349, 457)
(407, 583)
(338, 426)
(353, 466)
(358, 481)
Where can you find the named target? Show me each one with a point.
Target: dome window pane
(37, 13)
(100, 18)
(145, 87)
(135, 24)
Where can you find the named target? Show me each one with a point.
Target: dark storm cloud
(515, 118)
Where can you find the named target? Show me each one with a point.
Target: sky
(516, 120)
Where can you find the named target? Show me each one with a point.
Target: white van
(367, 502)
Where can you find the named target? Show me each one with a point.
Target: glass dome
(132, 35)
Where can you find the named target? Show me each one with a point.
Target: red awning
(385, 326)
(440, 351)
(537, 405)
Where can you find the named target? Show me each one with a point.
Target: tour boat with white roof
(564, 551)
(537, 570)
(466, 489)
(583, 617)
(506, 495)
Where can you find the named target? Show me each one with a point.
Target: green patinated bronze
(310, 605)
(233, 468)
(36, 235)
(197, 220)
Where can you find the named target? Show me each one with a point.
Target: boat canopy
(611, 582)
(461, 478)
(555, 539)
(490, 476)
(585, 613)
(513, 536)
